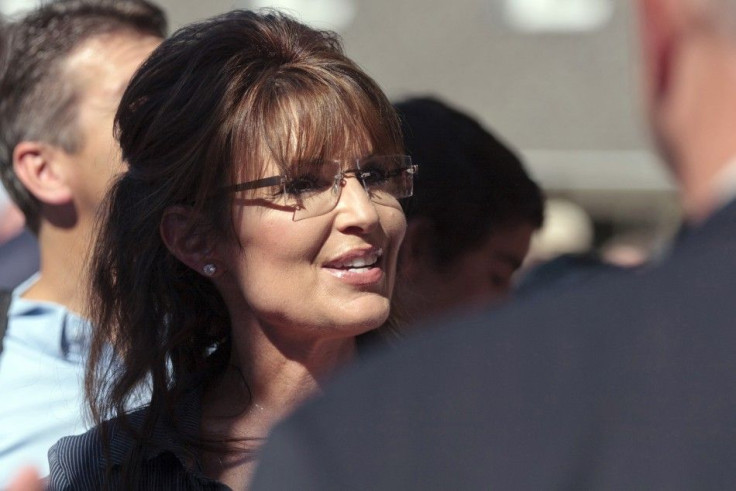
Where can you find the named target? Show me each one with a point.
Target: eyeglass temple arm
(258, 183)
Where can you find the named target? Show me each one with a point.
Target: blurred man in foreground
(66, 66)
(626, 384)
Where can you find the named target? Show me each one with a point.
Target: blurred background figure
(472, 215)
(635, 248)
(567, 250)
(12, 221)
(27, 479)
(18, 246)
(567, 229)
(66, 66)
(562, 251)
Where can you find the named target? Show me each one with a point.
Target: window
(557, 15)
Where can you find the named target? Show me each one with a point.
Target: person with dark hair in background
(627, 383)
(66, 65)
(252, 240)
(471, 218)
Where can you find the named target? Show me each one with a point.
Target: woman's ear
(191, 246)
(416, 256)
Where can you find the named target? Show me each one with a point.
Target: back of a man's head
(37, 101)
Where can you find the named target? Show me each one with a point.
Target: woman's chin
(364, 316)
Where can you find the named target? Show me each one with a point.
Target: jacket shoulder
(77, 462)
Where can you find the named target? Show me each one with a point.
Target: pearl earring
(209, 269)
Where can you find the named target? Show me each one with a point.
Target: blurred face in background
(475, 278)
(484, 274)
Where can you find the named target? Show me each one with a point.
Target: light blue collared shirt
(41, 381)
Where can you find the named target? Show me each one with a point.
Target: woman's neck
(266, 380)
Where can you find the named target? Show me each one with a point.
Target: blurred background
(557, 79)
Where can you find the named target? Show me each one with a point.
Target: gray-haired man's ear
(43, 171)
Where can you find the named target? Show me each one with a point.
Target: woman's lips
(361, 267)
(358, 276)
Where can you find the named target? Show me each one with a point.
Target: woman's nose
(355, 208)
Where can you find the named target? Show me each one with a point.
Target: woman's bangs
(320, 122)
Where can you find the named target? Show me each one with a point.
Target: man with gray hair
(626, 384)
(66, 65)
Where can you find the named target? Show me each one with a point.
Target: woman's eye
(305, 185)
(373, 176)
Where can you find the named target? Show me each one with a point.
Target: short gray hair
(37, 102)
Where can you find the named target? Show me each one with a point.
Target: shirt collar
(47, 326)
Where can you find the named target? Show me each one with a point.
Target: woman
(253, 238)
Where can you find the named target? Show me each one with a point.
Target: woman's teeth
(359, 264)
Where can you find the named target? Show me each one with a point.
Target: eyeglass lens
(315, 190)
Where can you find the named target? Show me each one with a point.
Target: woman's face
(327, 276)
